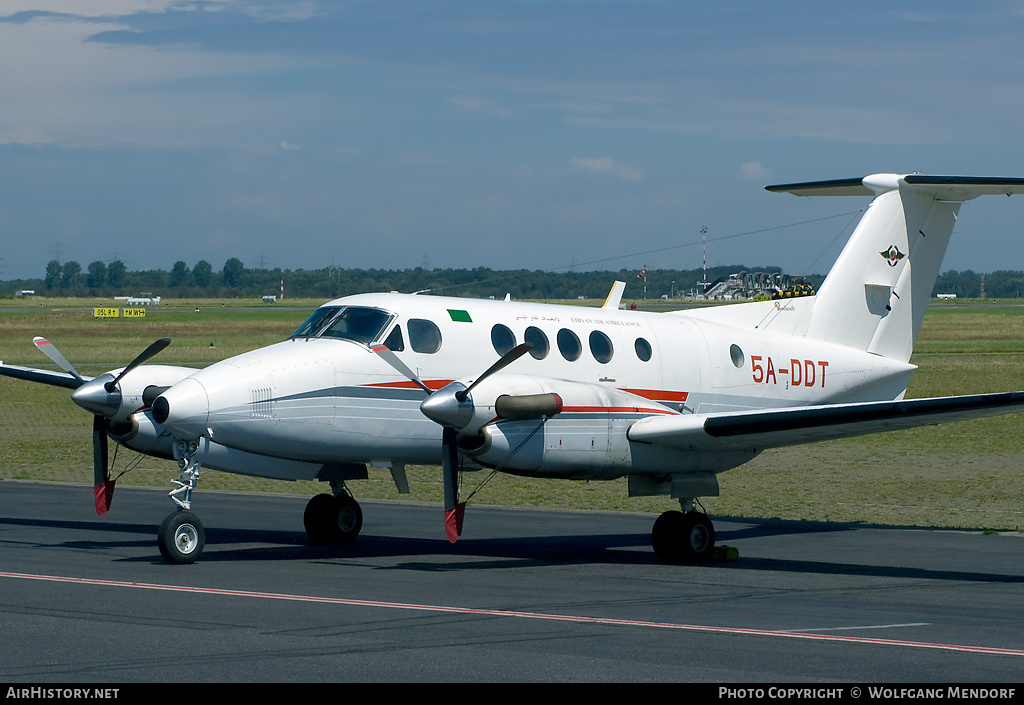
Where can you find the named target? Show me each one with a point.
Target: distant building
(754, 285)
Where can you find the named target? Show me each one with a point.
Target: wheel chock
(724, 553)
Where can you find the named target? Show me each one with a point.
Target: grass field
(966, 474)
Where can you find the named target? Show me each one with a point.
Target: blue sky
(537, 135)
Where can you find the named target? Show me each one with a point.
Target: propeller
(102, 397)
(102, 485)
(48, 349)
(452, 407)
(149, 352)
(503, 362)
(389, 357)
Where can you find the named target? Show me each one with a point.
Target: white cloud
(606, 165)
(289, 146)
(754, 171)
(94, 8)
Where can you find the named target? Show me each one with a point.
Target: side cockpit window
(395, 342)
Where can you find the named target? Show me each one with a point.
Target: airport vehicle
(669, 400)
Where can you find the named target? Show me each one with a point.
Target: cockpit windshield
(358, 323)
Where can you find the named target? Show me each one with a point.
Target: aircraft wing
(775, 428)
(57, 379)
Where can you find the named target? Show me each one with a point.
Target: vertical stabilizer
(614, 295)
(875, 296)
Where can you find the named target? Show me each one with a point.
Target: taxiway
(526, 595)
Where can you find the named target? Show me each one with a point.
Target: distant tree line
(1002, 284)
(234, 280)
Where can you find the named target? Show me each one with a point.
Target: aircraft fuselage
(328, 398)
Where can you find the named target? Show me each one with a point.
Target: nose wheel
(181, 537)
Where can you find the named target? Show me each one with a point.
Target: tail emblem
(892, 255)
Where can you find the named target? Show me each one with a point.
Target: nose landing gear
(181, 537)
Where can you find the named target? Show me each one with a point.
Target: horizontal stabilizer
(835, 187)
(778, 428)
(953, 188)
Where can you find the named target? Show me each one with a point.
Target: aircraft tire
(317, 518)
(332, 519)
(698, 537)
(348, 519)
(181, 538)
(683, 538)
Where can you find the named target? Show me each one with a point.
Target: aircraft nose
(184, 409)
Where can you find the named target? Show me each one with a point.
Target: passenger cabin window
(568, 344)
(540, 342)
(601, 347)
(643, 349)
(502, 339)
(357, 323)
(424, 336)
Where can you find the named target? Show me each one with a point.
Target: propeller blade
(506, 359)
(454, 511)
(48, 349)
(388, 356)
(143, 356)
(103, 486)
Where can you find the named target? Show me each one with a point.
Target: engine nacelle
(143, 434)
(564, 429)
(133, 392)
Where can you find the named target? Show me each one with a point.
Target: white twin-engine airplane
(668, 400)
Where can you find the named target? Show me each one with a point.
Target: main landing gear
(683, 537)
(333, 518)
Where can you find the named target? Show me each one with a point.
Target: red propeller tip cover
(103, 493)
(453, 521)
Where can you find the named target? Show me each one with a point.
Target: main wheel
(683, 538)
(349, 519)
(332, 518)
(181, 537)
(318, 518)
(698, 537)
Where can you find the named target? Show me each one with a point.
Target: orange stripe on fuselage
(658, 394)
(433, 384)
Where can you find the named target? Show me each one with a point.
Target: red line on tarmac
(514, 613)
